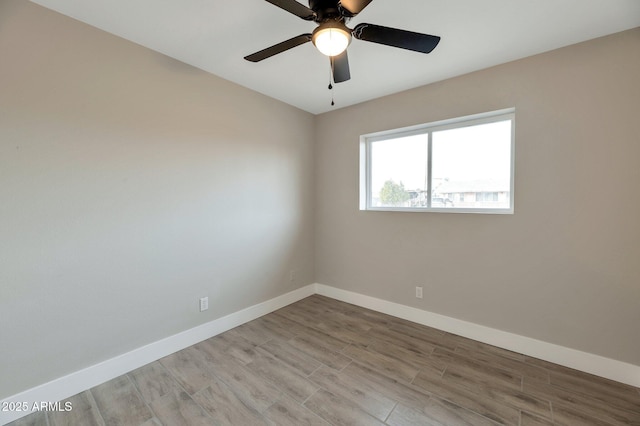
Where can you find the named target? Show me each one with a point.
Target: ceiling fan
(332, 37)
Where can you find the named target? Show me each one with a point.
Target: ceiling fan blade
(292, 6)
(403, 39)
(340, 67)
(354, 6)
(279, 48)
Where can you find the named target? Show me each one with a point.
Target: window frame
(429, 128)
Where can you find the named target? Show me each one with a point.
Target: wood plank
(383, 334)
(412, 356)
(152, 422)
(531, 420)
(387, 365)
(177, 408)
(476, 346)
(287, 412)
(405, 416)
(314, 329)
(280, 330)
(38, 418)
(338, 411)
(295, 358)
(260, 331)
(475, 401)
(362, 394)
(567, 417)
(246, 384)
(476, 375)
(397, 390)
(120, 403)
(319, 352)
(225, 407)
(375, 319)
(189, 368)
(597, 387)
(424, 334)
(336, 324)
(284, 377)
(334, 304)
(614, 412)
(231, 344)
(496, 359)
(279, 317)
(84, 412)
(437, 412)
(153, 381)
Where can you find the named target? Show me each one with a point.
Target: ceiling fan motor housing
(325, 10)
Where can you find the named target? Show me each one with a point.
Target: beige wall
(565, 268)
(130, 186)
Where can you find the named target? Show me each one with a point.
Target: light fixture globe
(331, 38)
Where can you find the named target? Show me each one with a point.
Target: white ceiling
(215, 35)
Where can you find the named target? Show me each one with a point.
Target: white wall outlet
(419, 292)
(204, 303)
(292, 275)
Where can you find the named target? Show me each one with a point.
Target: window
(460, 165)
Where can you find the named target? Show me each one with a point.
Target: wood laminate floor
(320, 362)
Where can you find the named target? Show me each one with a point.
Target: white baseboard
(64, 387)
(594, 364)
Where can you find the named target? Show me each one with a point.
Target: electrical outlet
(292, 275)
(204, 304)
(419, 292)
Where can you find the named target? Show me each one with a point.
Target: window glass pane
(472, 167)
(399, 172)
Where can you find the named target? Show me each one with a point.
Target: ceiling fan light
(330, 40)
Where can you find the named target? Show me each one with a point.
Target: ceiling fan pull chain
(330, 87)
